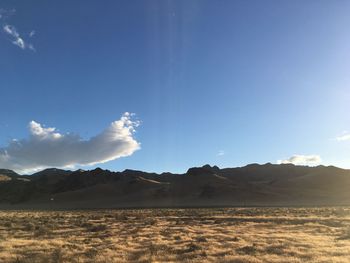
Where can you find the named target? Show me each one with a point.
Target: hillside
(251, 185)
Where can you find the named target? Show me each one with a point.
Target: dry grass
(177, 235)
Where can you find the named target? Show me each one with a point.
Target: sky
(167, 85)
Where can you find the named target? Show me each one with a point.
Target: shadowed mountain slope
(253, 184)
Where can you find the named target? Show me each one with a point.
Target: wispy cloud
(345, 136)
(221, 153)
(46, 147)
(13, 33)
(16, 39)
(302, 160)
(4, 14)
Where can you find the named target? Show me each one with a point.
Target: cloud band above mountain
(46, 147)
(302, 160)
(345, 136)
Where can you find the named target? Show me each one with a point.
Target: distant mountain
(252, 185)
(7, 172)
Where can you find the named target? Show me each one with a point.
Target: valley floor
(177, 235)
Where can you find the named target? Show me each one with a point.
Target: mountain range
(206, 186)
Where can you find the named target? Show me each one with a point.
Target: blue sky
(219, 82)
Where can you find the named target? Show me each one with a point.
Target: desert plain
(265, 234)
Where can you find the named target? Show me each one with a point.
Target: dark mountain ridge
(254, 184)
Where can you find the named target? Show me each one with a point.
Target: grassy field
(177, 235)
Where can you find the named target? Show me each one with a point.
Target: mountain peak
(204, 170)
(209, 167)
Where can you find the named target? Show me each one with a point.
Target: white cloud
(46, 147)
(345, 136)
(11, 30)
(19, 42)
(302, 160)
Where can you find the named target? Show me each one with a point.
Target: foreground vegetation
(177, 235)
